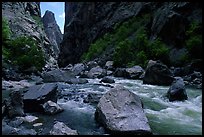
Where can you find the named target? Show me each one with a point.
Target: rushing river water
(165, 118)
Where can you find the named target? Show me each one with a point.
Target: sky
(58, 9)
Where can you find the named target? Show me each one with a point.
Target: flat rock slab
(37, 95)
(120, 112)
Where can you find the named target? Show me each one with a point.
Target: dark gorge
(130, 68)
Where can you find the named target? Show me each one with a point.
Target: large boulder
(60, 128)
(57, 75)
(96, 72)
(120, 112)
(177, 90)
(37, 95)
(157, 74)
(134, 72)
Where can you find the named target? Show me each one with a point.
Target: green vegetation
(194, 41)
(131, 43)
(139, 51)
(22, 51)
(5, 31)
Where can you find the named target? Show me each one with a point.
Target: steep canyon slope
(24, 19)
(85, 22)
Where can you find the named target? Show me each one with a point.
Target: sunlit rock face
(52, 31)
(24, 18)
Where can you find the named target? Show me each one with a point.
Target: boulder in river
(39, 94)
(60, 128)
(134, 72)
(157, 74)
(51, 108)
(120, 112)
(96, 72)
(57, 75)
(177, 90)
(107, 79)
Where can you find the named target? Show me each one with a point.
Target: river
(165, 118)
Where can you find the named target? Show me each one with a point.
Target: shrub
(6, 32)
(23, 51)
(123, 53)
(128, 51)
(194, 40)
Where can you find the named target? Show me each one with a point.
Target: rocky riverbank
(40, 93)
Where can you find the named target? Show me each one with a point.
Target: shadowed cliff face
(52, 31)
(87, 21)
(24, 18)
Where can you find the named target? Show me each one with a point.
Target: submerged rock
(157, 74)
(120, 112)
(177, 90)
(61, 129)
(38, 95)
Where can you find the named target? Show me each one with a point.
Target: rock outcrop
(120, 112)
(52, 31)
(24, 18)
